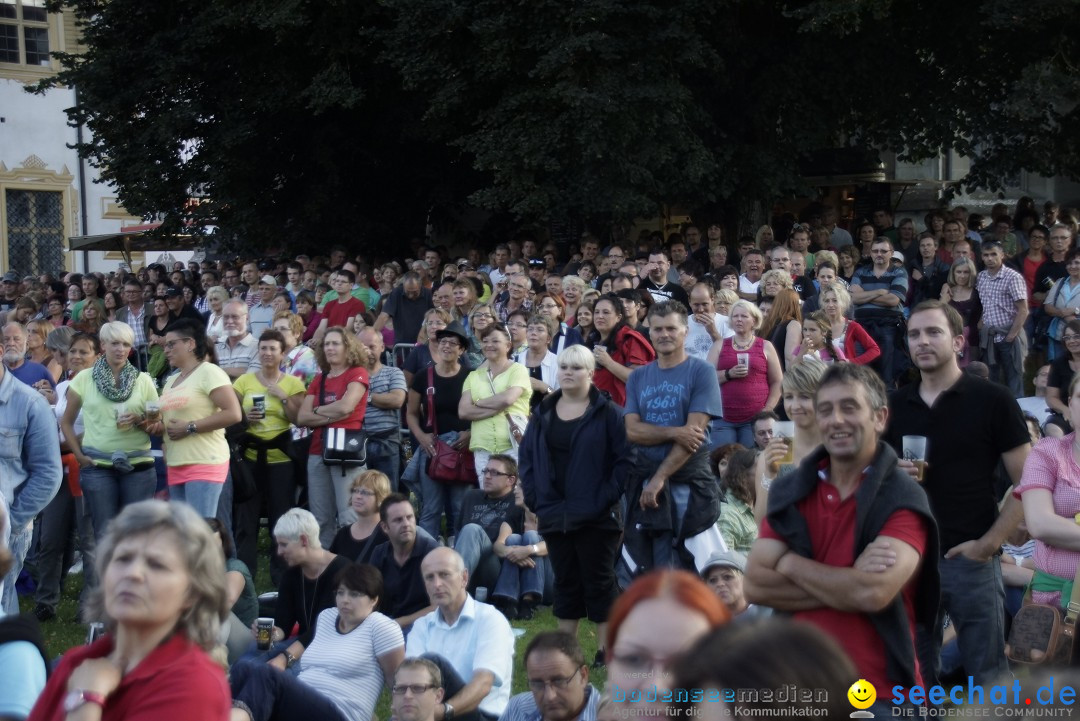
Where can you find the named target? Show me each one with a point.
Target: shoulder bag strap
(431, 399)
(1072, 609)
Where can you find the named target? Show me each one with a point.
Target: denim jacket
(30, 471)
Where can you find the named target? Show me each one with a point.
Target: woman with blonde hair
(798, 388)
(215, 323)
(783, 325)
(725, 298)
(774, 281)
(299, 360)
(764, 237)
(959, 292)
(573, 293)
(858, 346)
(465, 299)
(337, 398)
(748, 369)
(357, 540)
(162, 598)
(113, 449)
(37, 331)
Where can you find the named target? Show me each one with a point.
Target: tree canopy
(342, 121)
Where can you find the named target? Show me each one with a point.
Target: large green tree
(280, 112)
(312, 120)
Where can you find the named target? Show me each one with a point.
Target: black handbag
(343, 447)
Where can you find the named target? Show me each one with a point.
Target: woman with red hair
(659, 617)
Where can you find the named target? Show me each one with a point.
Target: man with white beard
(32, 374)
(238, 351)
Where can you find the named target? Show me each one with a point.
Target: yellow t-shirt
(99, 414)
(275, 421)
(190, 401)
(493, 434)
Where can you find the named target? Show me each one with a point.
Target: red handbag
(447, 464)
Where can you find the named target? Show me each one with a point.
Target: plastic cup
(785, 431)
(914, 449)
(743, 359)
(122, 410)
(153, 411)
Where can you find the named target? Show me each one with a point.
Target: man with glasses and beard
(238, 351)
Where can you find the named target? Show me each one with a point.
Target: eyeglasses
(415, 688)
(363, 492)
(539, 686)
(516, 325)
(170, 344)
(1070, 338)
(493, 472)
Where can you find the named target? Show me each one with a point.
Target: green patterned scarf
(103, 379)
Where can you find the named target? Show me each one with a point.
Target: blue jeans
(723, 432)
(201, 495)
(664, 543)
(477, 551)
(274, 694)
(107, 491)
(1006, 369)
(516, 581)
(436, 495)
(974, 596)
(384, 454)
(19, 544)
(884, 332)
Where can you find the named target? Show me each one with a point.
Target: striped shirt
(344, 667)
(522, 707)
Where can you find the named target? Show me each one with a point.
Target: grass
(64, 631)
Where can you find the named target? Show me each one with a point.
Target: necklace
(736, 346)
(185, 374)
(308, 611)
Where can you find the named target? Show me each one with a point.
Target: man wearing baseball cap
(179, 308)
(723, 573)
(9, 290)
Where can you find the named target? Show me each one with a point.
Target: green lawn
(64, 631)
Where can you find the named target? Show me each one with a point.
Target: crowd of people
(672, 438)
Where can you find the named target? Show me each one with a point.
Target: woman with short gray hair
(306, 586)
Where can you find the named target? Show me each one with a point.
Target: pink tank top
(745, 397)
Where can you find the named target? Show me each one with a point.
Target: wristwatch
(535, 549)
(192, 429)
(79, 696)
(290, 660)
(448, 711)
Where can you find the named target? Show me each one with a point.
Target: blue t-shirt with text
(667, 396)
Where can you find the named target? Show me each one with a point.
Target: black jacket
(600, 462)
(885, 490)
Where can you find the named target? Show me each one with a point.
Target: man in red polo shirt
(849, 543)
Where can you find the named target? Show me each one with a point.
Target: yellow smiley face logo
(862, 694)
